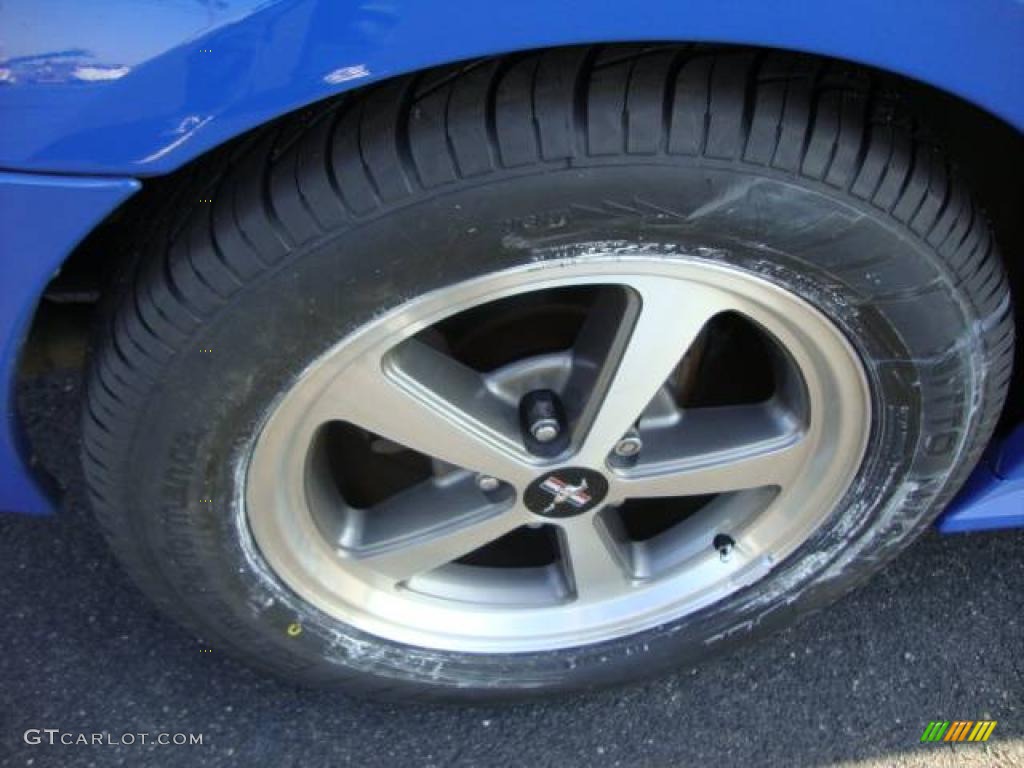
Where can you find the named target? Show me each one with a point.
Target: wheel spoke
(430, 403)
(670, 316)
(595, 562)
(403, 559)
(715, 450)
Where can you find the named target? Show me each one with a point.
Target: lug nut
(486, 483)
(544, 430)
(543, 423)
(725, 545)
(629, 445)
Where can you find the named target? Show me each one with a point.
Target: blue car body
(96, 96)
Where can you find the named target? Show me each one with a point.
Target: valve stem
(725, 545)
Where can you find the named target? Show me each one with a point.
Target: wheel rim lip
(281, 524)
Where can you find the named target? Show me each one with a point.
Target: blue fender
(136, 88)
(139, 87)
(41, 219)
(993, 496)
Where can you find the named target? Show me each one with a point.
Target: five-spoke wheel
(501, 543)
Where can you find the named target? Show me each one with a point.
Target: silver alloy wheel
(397, 570)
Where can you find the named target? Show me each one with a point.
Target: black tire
(805, 171)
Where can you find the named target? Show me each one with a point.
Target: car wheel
(545, 372)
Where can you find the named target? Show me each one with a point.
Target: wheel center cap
(565, 492)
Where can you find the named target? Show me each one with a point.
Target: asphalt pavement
(937, 636)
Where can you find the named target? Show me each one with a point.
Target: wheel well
(987, 152)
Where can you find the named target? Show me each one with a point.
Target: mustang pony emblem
(562, 491)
